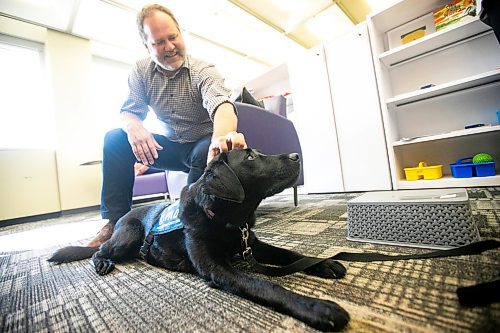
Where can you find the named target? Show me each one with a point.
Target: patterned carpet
(400, 296)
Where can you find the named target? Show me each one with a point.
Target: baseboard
(79, 210)
(26, 219)
(39, 217)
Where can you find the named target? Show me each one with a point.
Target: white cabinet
(338, 116)
(315, 122)
(462, 62)
(358, 118)
(29, 183)
(336, 113)
(305, 76)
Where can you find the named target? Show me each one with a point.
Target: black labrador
(214, 211)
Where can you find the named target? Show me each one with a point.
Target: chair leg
(295, 196)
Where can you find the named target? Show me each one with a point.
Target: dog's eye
(251, 157)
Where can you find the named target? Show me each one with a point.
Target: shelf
(449, 181)
(399, 13)
(442, 89)
(453, 134)
(437, 40)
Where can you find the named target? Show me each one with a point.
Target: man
(190, 100)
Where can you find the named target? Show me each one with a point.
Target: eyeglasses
(159, 44)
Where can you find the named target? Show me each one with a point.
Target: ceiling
(243, 38)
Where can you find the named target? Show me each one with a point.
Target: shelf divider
(449, 181)
(453, 134)
(443, 89)
(437, 40)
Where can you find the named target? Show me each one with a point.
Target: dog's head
(247, 174)
(243, 177)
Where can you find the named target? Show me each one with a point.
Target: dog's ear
(223, 183)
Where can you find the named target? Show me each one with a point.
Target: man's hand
(142, 142)
(225, 143)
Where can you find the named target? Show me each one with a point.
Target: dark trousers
(491, 15)
(118, 168)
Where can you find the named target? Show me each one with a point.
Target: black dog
(214, 212)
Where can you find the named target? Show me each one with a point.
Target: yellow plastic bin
(424, 172)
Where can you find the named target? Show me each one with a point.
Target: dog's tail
(72, 253)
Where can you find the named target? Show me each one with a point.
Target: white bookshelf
(462, 62)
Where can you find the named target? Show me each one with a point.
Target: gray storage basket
(422, 218)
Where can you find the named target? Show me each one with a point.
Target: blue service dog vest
(167, 222)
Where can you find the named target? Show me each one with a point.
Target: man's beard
(168, 66)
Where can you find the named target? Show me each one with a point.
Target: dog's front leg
(123, 244)
(268, 254)
(213, 265)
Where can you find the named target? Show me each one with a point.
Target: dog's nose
(294, 157)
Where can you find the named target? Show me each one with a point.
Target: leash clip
(247, 252)
(143, 253)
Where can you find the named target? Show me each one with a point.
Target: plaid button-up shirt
(185, 103)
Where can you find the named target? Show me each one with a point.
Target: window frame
(38, 47)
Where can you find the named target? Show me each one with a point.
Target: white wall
(69, 60)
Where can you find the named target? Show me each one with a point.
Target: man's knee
(116, 144)
(198, 159)
(115, 136)
(198, 165)
(200, 153)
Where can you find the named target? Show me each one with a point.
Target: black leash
(306, 262)
(475, 295)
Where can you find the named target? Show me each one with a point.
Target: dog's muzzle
(294, 157)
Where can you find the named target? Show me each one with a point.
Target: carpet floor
(397, 296)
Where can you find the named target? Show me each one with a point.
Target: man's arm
(141, 140)
(225, 136)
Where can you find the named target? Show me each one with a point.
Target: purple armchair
(266, 131)
(270, 133)
(168, 183)
(151, 183)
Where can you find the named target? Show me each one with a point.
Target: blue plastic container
(464, 168)
(461, 169)
(485, 169)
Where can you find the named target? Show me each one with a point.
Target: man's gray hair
(147, 11)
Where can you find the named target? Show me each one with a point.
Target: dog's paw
(328, 269)
(213, 284)
(102, 265)
(327, 316)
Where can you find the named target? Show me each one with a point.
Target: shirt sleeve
(137, 100)
(213, 90)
